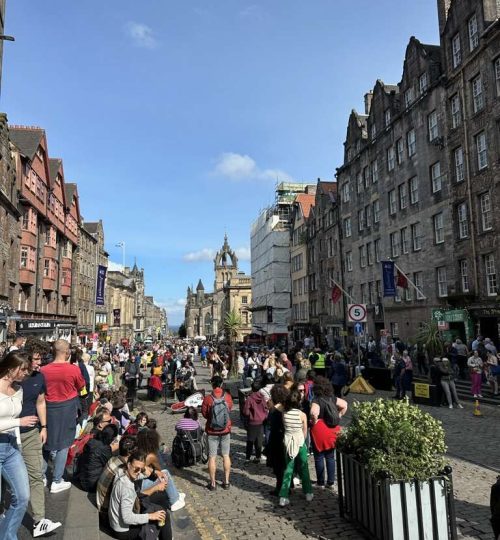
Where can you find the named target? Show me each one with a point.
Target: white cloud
(174, 307)
(141, 34)
(243, 253)
(242, 167)
(205, 254)
(114, 267)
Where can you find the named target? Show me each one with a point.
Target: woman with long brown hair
(13, 369)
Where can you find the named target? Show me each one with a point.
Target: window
(376, 246)
(244, 299)
(409, 97)
(345, 192)
(363, 293)
(24, 256)
(477, 94)
(374, 130)
(391, 158)
(497, 75)
(369, 253)
(459, 164)
(361, 220)
(438, 228)
(485, 207)
(392, 201)
(405, 242)
(376, 211)
(400, 151)
(387, 117)
(473, 34)
(25, 222)
(374, 171)
(456, 115)
(413, 190)
(432, 124)
(491, 275)
(46, 266)
(348, 261)
(482, 155)
(394, 238)
(411, 143)
(347, 227)
(368, 216)
(394, 329)
(442, 283)
(464, 275)
(362, 256)
(366, 177)
(456, 51)
(418, 279)
(423, 82)
(403, 196)
(359, 183)
(371, 293)
(463, 220)
(436, 178)
(416, 236)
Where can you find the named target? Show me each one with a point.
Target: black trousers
(255, 436)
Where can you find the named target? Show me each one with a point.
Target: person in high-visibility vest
(317, 359)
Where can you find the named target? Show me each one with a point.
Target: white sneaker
(182, 495)
(296, 482)
(309, 497)
(460, 406)
(56, 487)
(283, 501)
(44, 482)
(479, 395)
(45, 526)
(450, 406)
(180, 503)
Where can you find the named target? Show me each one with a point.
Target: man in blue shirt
(32, 440)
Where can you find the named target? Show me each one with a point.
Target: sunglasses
(302, 389)
(139, 470)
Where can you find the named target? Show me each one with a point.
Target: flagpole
(345, 293)
(423, 297)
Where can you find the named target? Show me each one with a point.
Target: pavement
(247, 510)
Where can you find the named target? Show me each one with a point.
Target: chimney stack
(368, 102)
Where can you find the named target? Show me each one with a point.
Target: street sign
(356, 312)
(443, 325)
(359, 330)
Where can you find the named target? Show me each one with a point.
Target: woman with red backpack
(255, 411)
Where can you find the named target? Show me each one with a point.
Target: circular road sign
(356, 312)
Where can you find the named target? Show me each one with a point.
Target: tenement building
(417, 186)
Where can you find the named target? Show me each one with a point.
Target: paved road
(247, 510)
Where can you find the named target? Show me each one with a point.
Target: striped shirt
(294, 434)
(187, 424)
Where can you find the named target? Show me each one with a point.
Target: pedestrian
(32, 441)
(325, 415)
(408, 373)
(255, 410)
(63, 383)
(131, 377)
(295, 424)
(216, 408)
(399, 370)
(492, 373)
(462, 352)
(13, 369)
(448, 382)
(495, 508)
(339, 374)
(475, 364)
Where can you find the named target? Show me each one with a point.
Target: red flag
(336, 294)
(401, 280)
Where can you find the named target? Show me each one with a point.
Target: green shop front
(454, 323)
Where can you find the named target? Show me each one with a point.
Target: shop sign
(450, 315)
(422, 390)
(443, 325)
(35, 325)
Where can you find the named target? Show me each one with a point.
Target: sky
(176, 118)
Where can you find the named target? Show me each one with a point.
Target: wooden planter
(396, 510)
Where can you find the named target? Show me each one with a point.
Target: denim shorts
(218, 441)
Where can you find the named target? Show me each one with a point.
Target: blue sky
(176, 118)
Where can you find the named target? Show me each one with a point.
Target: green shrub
(395, 439)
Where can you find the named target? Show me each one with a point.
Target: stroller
(189, 448)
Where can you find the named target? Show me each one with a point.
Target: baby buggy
(189, 448)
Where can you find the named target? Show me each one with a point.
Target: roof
(54, 166)
(306, 201)
(69, 192)
(26, 139)
(328, 186)
(200, 286)
(91, 227)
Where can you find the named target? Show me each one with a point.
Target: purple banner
(388, 278)
(101, 280)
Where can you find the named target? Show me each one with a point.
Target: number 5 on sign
(356, 312)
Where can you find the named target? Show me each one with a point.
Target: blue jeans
(13, 470)
(58, 458)
(172, 493)
(320, 458)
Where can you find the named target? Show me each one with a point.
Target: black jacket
(91, 463)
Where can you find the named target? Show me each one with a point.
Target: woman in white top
(475, 364)
(295, 423)
(13, 368)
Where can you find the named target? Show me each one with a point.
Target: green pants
(31, 449)
(303, 470)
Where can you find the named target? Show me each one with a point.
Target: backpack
(330, 412)
(219, 419)
(76, 449)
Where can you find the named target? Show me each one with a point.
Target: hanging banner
(116, 317)
(99, 290)
(388, 278)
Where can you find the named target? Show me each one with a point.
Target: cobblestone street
(248, 510)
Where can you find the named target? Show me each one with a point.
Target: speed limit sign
(356, 313)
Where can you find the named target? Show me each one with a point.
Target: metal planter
(396, 510)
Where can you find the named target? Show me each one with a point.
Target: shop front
(454, 323)
(487, 320)
(46, 330)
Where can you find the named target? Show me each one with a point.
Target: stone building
(121, 293)
(49, 236)
(139, 314)
(86, 264)
(10, 234)
(154, 318)
(205, 312)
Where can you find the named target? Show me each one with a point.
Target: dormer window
(456, 51)
(423, 82)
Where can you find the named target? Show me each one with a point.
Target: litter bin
(426, 394)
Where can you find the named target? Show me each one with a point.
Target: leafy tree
(182, 331)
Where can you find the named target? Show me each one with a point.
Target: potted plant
(393, 477)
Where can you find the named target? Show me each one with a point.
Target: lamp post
(122, 245)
